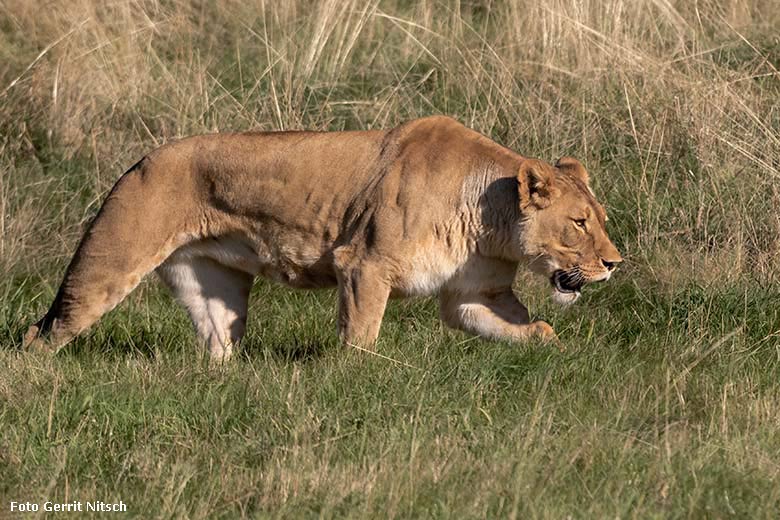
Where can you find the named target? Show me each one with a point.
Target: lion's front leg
(363, 294)
(493, 315)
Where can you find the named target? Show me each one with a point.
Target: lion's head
(563, 227)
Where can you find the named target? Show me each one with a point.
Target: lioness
(428, 207)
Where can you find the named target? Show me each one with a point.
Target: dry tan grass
(670, 100)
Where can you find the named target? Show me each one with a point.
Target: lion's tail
(143, 220)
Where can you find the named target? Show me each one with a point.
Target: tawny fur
(428, 207)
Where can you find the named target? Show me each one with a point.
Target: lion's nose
(610, 264)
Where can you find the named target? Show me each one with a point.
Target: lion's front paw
(545, 331)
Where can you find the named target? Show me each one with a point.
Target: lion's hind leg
(86, 294)
(215, 296)
(132, 234)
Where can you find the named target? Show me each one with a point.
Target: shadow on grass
(144, 344)
(291, 351)
(148, 344)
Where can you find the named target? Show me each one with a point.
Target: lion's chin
(564, 298)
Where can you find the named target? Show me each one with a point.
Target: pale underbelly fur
(424, 274)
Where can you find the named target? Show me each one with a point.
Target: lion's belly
(293, 263)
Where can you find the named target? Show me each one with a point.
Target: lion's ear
(574, 168)
(536, 184)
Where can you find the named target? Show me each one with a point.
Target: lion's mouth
(565, 282)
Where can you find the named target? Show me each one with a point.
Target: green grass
(661, 405)
(664, 404)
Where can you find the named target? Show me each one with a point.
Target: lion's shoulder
(438, 126)
(442, 138)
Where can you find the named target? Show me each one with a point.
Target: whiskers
(576, 276)
(582, 276)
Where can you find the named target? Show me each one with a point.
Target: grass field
(666, 402)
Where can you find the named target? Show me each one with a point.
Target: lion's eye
(580, 222)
